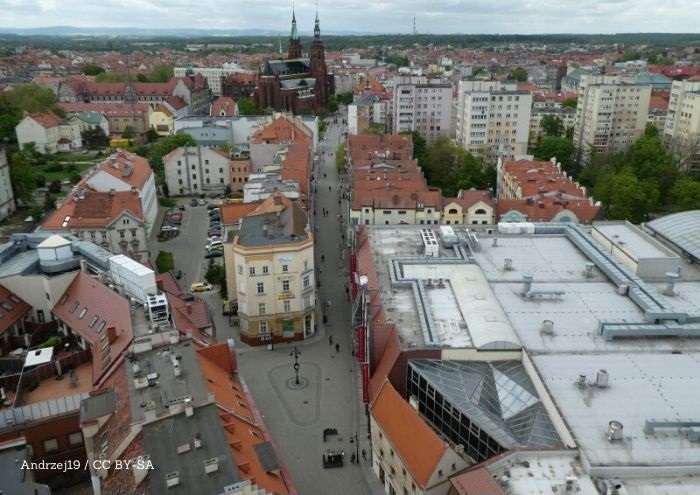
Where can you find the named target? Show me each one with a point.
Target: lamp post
(296, 366)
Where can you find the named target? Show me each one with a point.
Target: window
(240, 269)
(265, 270)
(307, 281)
(262, 327)
(285, 268)
(251, 270)
(285, 285)
(75, 438)
(260, 288)
(50, 445)
(287, 306)
(261, 309)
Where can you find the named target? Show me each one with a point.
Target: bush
(165, 261)
(50, 342)
(75, 178)
(167, 202)
(55, 167)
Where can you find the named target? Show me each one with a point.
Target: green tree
(625, 197)
(685, 194)
(345, 98)
(375, 128)
(452, 168)
(156, 151)
(246, 106)
(95, 138)
(22, 176)
(23, 98)
(419, 146)
(113, 77)
(570, 102)
(164, 261)
(128, 132)
(518, 74)
(161, 73)
(141, 77)
(332, 104)
(340, 158)
(92, 70)
(558, 147)
(552, 125)
(649, 160)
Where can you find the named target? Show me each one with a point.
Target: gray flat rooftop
(633, 241)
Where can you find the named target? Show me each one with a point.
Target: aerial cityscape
(333, 248)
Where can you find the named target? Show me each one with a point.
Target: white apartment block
(610, 114)
(423, 105)
(682, 128)
(192, 170)
(493, 119)
(7, 197)
(213, 75)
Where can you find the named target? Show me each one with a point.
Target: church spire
(294, 35)
(317, 27)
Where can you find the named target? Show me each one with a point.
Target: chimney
(111, 334)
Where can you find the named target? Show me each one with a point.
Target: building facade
(610, 115)
(7, 197)
(270, 273)
(422, 105)
(682, 127)
(493, 119)
(192, 170)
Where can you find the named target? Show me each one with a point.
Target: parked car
(214, 254)
(214, 244)
(202, 202)
(181, 208)
(175, 217)
(214, 238)
(194, 202)
(211, 207)
(200, 287)
(214, 233)
(215, 225)
(169, 228)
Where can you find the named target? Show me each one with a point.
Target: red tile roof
(545, 208)
(46, 120)
(364, 148)
(418, 446)
(127, 167)
(12, 309)
(536, 177)
(223, 106)
(232, 213)
(282, 130)
(100, 316)
(477, 481)
(659, 100)
(95, 210)
(176, 102)
(168, 283)
(191, 317)
(109, 110)
(297, 166)
(467, 199)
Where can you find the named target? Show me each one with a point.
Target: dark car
(194, 202)
(212, 207)
(178, 274)
(214, 253)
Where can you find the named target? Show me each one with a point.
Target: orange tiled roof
(296, 166)
(282, 130)
(128, 167)
(536, 177)
(467, 199)
(12, 309)
(364, 148)
(95, 210)
(223, 105)
(242, 423)
(420, 448)
(91, 310)
(543, 208)
(46, 120)
(232, 213)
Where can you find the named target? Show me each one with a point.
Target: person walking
(364, 455)
(337, 347)
(330, 340)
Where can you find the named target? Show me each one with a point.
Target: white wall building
(493, 119)
(423, 105)
(192, 170)
(682, 128)
(610, 114)
(7, 197)
(213, 75)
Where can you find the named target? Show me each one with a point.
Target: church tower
(317, 61)
(294, 41)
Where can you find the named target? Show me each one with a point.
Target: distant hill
(145, 32)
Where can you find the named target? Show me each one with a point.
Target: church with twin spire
(296, 84)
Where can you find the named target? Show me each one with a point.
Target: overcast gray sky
(432, 16)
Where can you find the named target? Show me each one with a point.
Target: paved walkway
(328, 396)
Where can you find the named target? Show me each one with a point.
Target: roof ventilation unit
(581, 382)
(507, 264)
(547, 327)
(670, 289)
(602, 379)
(588, 270)
(614, 431)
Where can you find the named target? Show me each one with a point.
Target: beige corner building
(270, 273)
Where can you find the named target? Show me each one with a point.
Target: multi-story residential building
(658, 110)
(270, 273)
(566, 115)
(610, 115)
(365, 111)
(240, 170)
(682, 129)
(7, 197)
(269, 138)
(422, 105)
(540, 191)
(192, 170)
(214, 75)
(493, 119)
(113, 220)
(125, 171)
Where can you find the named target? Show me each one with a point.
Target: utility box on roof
(135, 279)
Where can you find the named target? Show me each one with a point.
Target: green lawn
(65, 173)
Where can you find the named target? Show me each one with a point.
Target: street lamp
(296, 366)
